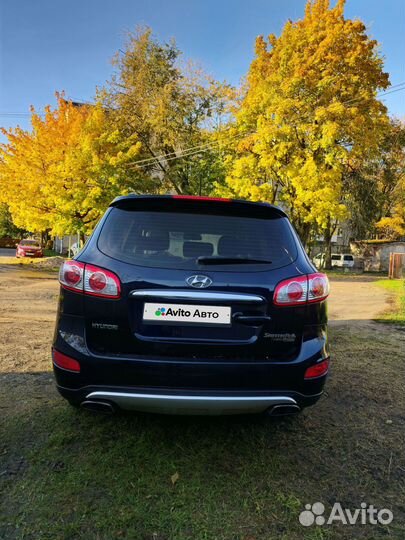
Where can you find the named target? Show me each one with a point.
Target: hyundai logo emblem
(199, 282)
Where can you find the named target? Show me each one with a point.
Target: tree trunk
(328, 245)
(304, 231)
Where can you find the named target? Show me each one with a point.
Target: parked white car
(339, 260)
(342, 260)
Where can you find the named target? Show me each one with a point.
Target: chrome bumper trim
(179, 294)
(191, 404)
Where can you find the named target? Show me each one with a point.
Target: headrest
(154, 241)
(230, 246)
(197, 249)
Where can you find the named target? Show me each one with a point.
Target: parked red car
(29, 248)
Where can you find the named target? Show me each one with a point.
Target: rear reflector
(65, 362)
(301, 290)
(317, 370)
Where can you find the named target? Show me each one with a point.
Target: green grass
(343, 274)
(67, 474)
(51, 253)
(396, 312)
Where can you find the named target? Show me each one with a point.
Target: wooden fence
(397, 264)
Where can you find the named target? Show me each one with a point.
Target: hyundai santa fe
(191, 305)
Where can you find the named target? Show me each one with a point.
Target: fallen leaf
(174, 478)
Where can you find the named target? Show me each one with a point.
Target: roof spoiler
(155, 202)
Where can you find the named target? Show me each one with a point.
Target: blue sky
(48, 45)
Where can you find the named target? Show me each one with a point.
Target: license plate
(186, 314)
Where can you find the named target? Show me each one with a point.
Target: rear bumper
(190, 403)
(189, 386)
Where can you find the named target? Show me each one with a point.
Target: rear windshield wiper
(230, 260)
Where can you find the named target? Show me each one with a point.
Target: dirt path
(28, 301)
(357, 299)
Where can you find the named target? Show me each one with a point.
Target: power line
(379, 94)
(390, 90)
(395, 86)
(175, 155)
(194, 150)
(183, 155)
(164, 157)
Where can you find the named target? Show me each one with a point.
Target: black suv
(192, 305)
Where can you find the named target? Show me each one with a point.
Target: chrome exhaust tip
(283, 410)
(98, 406)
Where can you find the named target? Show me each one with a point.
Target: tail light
(100, 282)
(71, 275)
(65, 362)
(317, 370)
(89, 279)
(301, 290)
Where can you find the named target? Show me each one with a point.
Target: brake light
(101, 282)
(89, 279)
(317, 370)
(198, 198)
(65, 362)
(291, 292)
(301, 290)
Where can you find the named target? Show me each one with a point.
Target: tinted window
(176, 240)
(29, 243)
(335, 257)
(348, 257)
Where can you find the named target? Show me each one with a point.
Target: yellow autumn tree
(309, 113)
(61, 175)
(172, 107)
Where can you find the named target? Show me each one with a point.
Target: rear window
(177, 240)
(348, 258)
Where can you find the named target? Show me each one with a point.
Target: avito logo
(179, 312)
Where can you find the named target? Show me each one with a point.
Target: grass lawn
(69, 474)
(396, 313)
(349, 274)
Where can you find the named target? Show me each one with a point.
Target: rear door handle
(252, 320)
